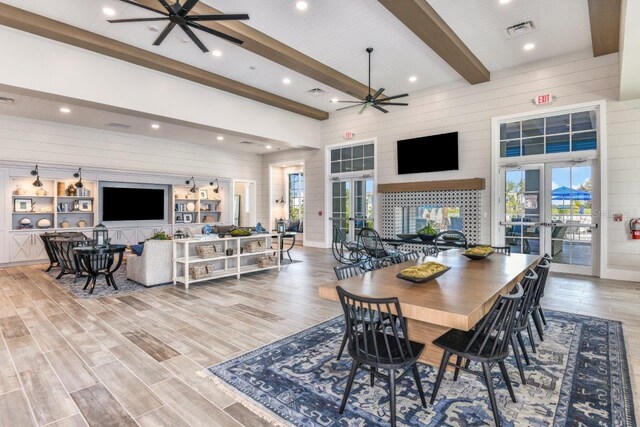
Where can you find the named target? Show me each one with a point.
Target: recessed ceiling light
(529, 46)
(334, 100)
(65, 110)
(302, 5)
(286, 80)
(504, 1)
(268, 147)
(153, 29)
(216, 53)
(220, 138)
(155, 126)
(108, 11)
(413, 79)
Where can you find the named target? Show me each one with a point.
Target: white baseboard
(315, 244)
(626, 275)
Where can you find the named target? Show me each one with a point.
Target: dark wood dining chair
(537, 314)
(63, 251)
(408, 256)
(451, 238)
(346, 271)
(521, 324)
(378, 342)
(488, 344)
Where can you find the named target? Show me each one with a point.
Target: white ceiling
(47, 108)
(336, 32)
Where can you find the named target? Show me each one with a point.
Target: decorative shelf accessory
(100, 235)
(204, 194)
(22, 205)
(85, 205)
(36, 173)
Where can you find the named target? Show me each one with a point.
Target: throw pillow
(137, 249)
(293, 225)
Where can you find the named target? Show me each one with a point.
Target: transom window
(562, 133)
(352, 159)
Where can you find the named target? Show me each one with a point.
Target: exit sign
(348, 135)
(546, 98)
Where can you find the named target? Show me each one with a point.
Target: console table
(237, 264)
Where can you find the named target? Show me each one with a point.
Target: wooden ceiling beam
(604, 16)
(273, 50)
(45, 27)
(424, 21)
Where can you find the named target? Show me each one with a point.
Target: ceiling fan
(178, 14)
(374, 100)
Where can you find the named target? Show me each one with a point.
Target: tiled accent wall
(467, 200)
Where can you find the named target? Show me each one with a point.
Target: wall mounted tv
(133, 202)
(435, 153)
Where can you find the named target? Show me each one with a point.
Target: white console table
(185, 255)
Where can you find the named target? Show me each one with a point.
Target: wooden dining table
(458, 299)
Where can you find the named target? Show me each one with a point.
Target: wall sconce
(280, 200)
(192, 179)
(36, 173)
(217, 184)
(78, 174)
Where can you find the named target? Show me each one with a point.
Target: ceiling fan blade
(214, 32)
(236, 17)
(194, 38)
(144, 7)
(380, 108)
(167, 6)
(118, 21)
(186, 8)
(350, 106)
(351, 102)
(378, 93)
(163, 35)
(389, 98)
(392, 103)
(363, 108)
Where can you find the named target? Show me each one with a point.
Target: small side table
(287, 235)
(100, 260)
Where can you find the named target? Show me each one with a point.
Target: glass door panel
(341, 193)
(522, 210)
(570, 214)
(352, 205)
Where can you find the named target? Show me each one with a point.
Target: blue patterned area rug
(578, 377)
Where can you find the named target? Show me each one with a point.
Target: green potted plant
(427, 233)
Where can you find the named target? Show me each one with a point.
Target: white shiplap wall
(574, 79)
(48, 143)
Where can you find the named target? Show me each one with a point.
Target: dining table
(458, 299)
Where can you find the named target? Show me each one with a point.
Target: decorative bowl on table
(240, 232)
(407, 236)
(424, 272)
(478, 252)
(427, 237)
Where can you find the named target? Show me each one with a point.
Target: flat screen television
(435, 153)
(119, 203)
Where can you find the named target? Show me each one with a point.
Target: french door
(352, 205)
(549, 208)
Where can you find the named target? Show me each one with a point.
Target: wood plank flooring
(132, 359)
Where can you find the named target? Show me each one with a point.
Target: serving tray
(478, 257)
(422, 279)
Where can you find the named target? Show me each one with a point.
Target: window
(562, 133)
(296, 196)
(352, 159)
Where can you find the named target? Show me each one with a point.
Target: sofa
(154, 266)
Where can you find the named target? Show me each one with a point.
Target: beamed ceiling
(438, 42)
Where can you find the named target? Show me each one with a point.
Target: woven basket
(211, 268)
(253, 246)
(198, 272)
(209, 251)
(266, 261)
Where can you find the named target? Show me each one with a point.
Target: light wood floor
(132, 360)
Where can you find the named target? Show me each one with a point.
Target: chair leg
(507, 380)
(516, 354)
(538, 323)
(416, 377)
(289, 255)
(457, 370)
(523, 348)
(544, 320)
(530, 333)
(344, 342)
(492, 396)
(392, 396)
(113, 282)
(86, 285)
(347, 389)
(443, 367)
(93, 285)
(60, 274)
(373, 376)
(49, 268)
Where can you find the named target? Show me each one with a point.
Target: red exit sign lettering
(547, 98)
(348, 135)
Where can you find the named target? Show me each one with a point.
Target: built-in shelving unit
(202, 207)
(240, 262)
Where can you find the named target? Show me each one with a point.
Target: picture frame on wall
(85, 205)
(22, 205)
(204, 194)
(187, 218)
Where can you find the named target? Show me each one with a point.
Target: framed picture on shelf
(187, 218)
(85, 205)
(179, 219)
(22, 205)
(204, 194)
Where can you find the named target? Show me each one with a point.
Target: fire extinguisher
(634, 225)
